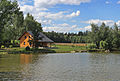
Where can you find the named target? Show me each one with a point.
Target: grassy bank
(53, 49)
(22, 50)
(67, 49)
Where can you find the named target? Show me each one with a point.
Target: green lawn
(65, 48)
(54, 49)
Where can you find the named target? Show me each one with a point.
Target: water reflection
(25, 58)
(60, 67)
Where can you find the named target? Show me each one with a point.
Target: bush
(91, 46)
(103, 45)
(10, 46)
(27, 48)
(2, 46)
(12, 42)
(17, 42)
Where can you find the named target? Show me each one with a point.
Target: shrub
(17, 42)
(10, 46)
(12, 41)
(2, 46)
(103, 45)
(91, 46)
(27, 48)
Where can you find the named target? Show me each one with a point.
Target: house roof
(44, 37)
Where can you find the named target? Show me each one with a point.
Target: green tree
(14, 28)
(94, 35)
(32, 25)
(103, 45)
(116, 37)
(7, 19)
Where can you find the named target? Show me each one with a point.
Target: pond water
(60, 67)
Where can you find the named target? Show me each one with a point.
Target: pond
(60, 67)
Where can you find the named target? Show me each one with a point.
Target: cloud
(74, 14)
(38, 13)
(118, 23)
(61, 15)
(99, 22)
(87, 28)
(24, 2)
(118, 2)
(107, 2)
(49, 3)
(45, 22)
(61, 28)
(40, 10)
(65, 28)
(44, 4)
(27, 8)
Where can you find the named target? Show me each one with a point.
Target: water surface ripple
(60, 67)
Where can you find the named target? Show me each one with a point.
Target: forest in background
(13, 25)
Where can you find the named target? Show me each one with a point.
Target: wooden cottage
(44, 42)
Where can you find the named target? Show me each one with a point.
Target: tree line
(80, 37)
(13, 25)
(102, 36)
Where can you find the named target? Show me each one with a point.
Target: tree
(14, 28)
(80, 33)
(32, 25)
(8, 12)
(103, 45)
(95, 36)
(116, 37)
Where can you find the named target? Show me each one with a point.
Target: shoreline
(44, 51)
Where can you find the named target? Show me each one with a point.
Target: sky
(72, 15)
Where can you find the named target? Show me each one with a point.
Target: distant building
(27, 36)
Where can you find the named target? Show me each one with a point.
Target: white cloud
(107, 2)
(118, 2)
(40, 10)
(99, 22)
(65, 28)
(118, 23)
(24, 2)
(49, 3)
(39, 7)
(74, 14)
(88, 28)
(45, 22)
(61, 28)
(38, 14)
(27, 8)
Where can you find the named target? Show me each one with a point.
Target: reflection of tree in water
(13, 67)
(10, 67)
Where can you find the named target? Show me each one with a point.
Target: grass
(18, 50)
(54, 49)
(66, 48)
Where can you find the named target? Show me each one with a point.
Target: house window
(25, 37)
(24, 43)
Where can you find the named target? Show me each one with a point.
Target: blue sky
(72, 15)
